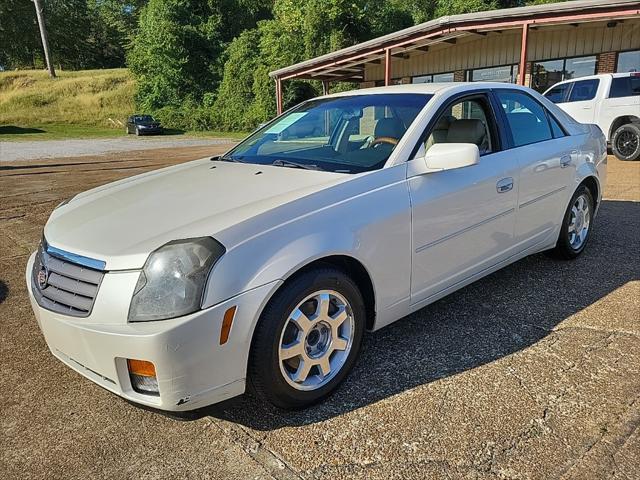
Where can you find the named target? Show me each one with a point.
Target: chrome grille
(63, 286)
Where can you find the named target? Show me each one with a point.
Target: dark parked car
(143, 125)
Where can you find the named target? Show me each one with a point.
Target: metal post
(278, 95)
(522, 69)
(387, 66)
(45, 40)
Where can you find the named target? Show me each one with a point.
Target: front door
(580, 102)
(463, 219)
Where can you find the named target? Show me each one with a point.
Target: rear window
(527, 119)
(584, 90)
(625, 87)
(558, 93)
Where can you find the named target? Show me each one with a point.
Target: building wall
(503, 48)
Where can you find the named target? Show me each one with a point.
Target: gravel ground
(530, 373)
(31, 150)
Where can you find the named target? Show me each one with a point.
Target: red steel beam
(523, 54)
(550, 19)
(279, 95)
(387, 66)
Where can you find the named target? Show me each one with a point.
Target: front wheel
(307, 339)
(576, 225)
(626, 142)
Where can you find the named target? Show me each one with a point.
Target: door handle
(565, 161)
(504, 185)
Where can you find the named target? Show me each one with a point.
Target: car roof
(427, 88)
(597, 77)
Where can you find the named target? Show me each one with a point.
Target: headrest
(389, 127)
(466, 130)
(444, 122)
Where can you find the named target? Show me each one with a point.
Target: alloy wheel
(627, 143)
(579, 222)
(316, 340)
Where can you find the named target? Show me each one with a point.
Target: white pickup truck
(612, 101)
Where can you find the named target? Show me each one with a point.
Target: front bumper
(193, 369)
(150, 131)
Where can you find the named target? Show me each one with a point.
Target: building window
(394, 81)
(579, 67)
(505, 73)
(549, 72)
(435, 78)
(628, 62)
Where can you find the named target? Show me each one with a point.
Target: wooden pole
(45, 40)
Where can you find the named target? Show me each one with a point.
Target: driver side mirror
(447, 156)
(443, 156)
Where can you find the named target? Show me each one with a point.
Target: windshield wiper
(222, 158)
(288, 163)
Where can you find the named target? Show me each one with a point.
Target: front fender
(369, 220)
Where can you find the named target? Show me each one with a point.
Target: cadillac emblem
(42, 278)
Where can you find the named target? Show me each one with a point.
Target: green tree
(178, 51)
(19, 37)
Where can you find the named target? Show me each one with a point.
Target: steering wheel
(380, 140)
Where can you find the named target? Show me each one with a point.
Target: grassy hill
(77, 104)
(84, 98)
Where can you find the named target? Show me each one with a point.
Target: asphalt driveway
(530, 373)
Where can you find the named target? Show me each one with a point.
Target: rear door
(547, 159)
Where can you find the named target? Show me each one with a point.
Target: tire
(570, 244)
(271, 377)
(625, 142)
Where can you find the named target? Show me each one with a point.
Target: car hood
(122, 222)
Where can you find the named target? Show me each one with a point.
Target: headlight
(172, 281)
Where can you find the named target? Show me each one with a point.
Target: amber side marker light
(227, 321)
(143, 376)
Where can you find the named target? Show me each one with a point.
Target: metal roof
(445, 29)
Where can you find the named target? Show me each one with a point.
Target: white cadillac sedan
(262, 268)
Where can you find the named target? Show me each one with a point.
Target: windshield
(143, 118)
(343, 134)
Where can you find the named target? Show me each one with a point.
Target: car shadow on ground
(4, 291)
(503, 313)
(13, 130)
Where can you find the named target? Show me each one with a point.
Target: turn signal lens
(227, 321)
(140, 367)
(143, 377)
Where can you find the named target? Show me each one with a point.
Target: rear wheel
(576, 226)
(307, 339)
(626, 142)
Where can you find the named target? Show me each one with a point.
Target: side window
(625, 87)
(526, 118)
(467, 121)
(557, 130)
(558, 94)
(584, 90)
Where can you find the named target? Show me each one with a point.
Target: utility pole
(45, 41)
